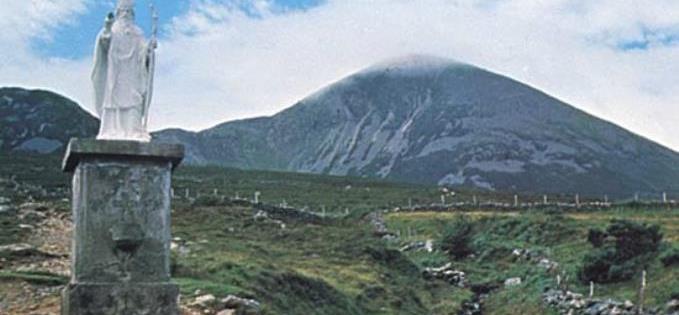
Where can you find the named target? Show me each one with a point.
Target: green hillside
(298, 262)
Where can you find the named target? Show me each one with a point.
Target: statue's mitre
(125, 4)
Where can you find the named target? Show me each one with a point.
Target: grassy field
(338, 265)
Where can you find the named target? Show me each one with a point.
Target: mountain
(429, 120)
(417, 119)
(41, 121)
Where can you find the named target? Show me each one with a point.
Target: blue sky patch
(76, 40)
(650, 38)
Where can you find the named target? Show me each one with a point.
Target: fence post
(566, 282)
(642, 292)
(591, 289)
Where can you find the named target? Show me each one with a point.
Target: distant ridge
(40, 121)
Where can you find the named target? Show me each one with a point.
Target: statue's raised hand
(108, 23)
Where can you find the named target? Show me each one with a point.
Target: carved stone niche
(121, 241)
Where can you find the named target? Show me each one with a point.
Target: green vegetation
(559, 237)
(621, 251)
(33, 277)
(334, 268)
(670, 257)
(10, 232)
(339, 265)
(457, 238)
(314, 192)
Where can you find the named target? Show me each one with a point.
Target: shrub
(670, 257)
(634, 239)
(457, 238)
(621, 251)
(596, 237)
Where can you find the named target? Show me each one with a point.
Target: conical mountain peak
(433, 120)
(413, 64)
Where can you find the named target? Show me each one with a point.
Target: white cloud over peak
(222, 62)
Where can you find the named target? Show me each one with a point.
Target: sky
(220, 60)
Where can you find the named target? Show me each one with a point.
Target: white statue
(123, 76)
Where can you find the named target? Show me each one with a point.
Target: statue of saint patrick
(124, 62)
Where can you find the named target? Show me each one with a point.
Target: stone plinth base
(120, 299)
(121, 236)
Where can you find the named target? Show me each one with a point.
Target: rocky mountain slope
(418, 119)
(429, 120)
(40, 121)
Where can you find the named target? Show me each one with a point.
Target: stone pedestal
(121, 241)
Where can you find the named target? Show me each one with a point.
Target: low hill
(41, 121)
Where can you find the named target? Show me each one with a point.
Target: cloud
(225, 60)
(23, 22)
(569, 48)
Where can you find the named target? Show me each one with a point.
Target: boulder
(548, 264)
(567, 302)
(32, 216)
(241, 305)
(416, 246)
(7, 210)
(34, 206)
(19, 250)
(446, 273)
(429, 246)
(512, 282)
(628, 305)
(204, 301)
(672, 307)
(261, 215)
(27, 227)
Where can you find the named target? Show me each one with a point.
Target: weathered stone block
(121, 241)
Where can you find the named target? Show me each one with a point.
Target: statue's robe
(121, 79)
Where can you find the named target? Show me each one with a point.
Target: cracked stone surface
(121, 238)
